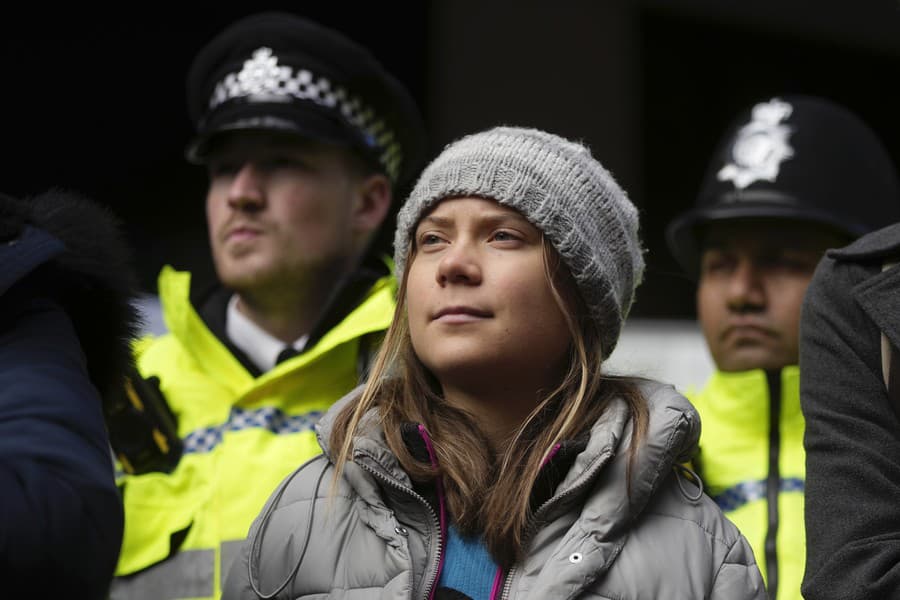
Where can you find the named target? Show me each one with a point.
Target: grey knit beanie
(562, 190)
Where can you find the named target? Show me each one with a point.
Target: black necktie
(287, 353)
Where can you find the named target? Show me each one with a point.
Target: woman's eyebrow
(490, 219)
(436, 221)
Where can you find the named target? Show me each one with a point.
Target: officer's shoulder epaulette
(880, 244)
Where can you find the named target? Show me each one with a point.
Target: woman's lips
(461, 314)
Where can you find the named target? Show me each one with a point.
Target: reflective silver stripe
(228, 551)
(188, 574)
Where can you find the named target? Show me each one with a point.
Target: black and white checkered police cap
(277, 71)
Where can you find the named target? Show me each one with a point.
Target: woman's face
(481, 311)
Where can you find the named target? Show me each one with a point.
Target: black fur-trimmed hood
(92, 278)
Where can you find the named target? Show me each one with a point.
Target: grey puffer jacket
(378, 538)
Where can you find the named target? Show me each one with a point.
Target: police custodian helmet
(799, 158)
(277, 71)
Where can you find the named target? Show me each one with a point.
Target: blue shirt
(468, 566)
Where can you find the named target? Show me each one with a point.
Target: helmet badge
(761, 145)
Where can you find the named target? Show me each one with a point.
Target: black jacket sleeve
(852, 442)
(61, 516)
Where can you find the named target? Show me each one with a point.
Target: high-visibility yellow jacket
(753, 465)
(242, 435)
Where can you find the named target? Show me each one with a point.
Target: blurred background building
(95, 102)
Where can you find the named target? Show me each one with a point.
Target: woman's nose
(460, 264)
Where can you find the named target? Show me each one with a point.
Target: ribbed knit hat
(562, 190)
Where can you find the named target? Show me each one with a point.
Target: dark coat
(852, 433)
(65, 326)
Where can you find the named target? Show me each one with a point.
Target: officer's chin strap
(264, 520)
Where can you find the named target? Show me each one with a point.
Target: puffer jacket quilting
(373, 536)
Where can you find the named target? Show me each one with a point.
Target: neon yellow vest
(242, 436)
(735, 446)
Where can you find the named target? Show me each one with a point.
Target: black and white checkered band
(262, 79)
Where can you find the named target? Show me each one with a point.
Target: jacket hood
(672, 437)
(23, 248)
(91, 278)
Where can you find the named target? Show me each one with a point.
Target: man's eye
(792, 263)
(223, 169)
(715, 265)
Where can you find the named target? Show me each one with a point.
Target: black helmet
(800, 158)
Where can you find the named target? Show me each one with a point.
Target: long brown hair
(486, 494)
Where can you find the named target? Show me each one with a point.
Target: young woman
(489, 456)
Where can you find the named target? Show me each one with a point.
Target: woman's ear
(373, 203)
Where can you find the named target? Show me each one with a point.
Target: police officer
(305, 138)
(794, 176)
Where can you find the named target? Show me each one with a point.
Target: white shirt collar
(261, 347)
